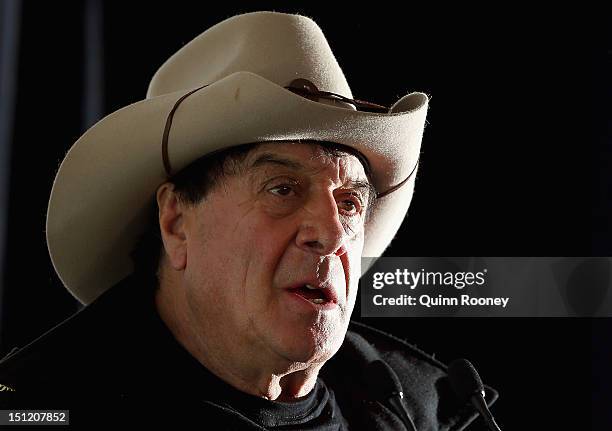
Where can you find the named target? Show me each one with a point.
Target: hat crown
(279, 47)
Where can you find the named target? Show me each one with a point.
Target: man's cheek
(259, 260)
(355, 251)
(271, 239)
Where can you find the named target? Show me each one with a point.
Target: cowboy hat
(256, 77)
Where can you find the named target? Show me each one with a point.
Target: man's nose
(321, 230)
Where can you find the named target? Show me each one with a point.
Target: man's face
(292, 215)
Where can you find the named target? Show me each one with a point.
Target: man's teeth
(314, 300)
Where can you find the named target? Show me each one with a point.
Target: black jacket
(107, 364)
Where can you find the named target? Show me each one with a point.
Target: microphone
(466, 383)
(386, 385)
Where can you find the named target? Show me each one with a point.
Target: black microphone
(466, 383)
(386, 385)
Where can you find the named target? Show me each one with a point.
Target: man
(230, 307)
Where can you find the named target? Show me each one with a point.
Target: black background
(515, 162)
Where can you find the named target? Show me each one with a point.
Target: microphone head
(464, 379)
(382, 379)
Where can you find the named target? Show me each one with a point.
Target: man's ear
(172, 226)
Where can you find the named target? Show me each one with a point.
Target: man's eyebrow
(363, 186)
(268, 158)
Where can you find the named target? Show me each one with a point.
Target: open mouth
(312, 294)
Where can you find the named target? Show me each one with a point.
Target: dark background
(515, 162)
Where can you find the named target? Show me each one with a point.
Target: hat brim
(103, 188)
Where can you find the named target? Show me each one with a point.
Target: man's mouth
(315, 294)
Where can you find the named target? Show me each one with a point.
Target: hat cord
(166, 158)
(397, 186)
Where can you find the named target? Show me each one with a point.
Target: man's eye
(352, 206)
(282, 190)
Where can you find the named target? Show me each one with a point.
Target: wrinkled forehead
(310, 158)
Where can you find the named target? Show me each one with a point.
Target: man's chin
(303, 360)
(311, 348)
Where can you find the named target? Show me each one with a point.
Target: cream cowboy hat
(226, 87)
